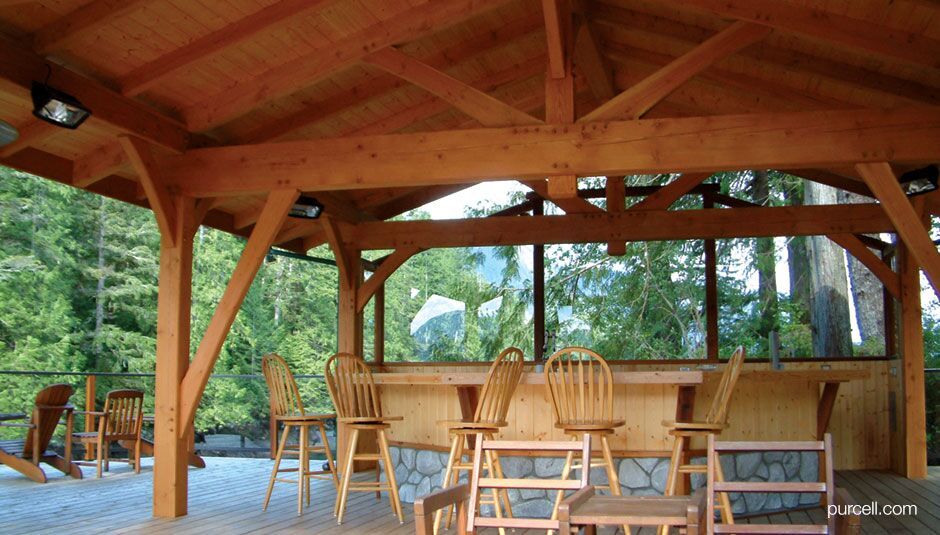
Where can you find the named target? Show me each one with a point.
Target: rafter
(81, 21)
(805, 139)
(671, 192)
(632, 225)
(557, 24)
(910, 226)
(857, 35)
(477, 104)
(318, 64)
(21, 67)
(145, 76)
(99, 164)
(589, 58)
(637, 100)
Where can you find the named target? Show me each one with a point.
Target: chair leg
(612, 479)
(456, 477)
(672, 479)
(445, 481)
(99, 456)
(301, 466)
(392, 483)
(107, 456)
(565, 472)
(329, 456)
(137, 456)
(726, 514)
(277, 465)
(340, 508)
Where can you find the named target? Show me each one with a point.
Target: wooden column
(90, 407)
(171, 446)
(711, 292)
(912, 370)
(538, 294)
(890, 317)
(378, 336)
(349, 340)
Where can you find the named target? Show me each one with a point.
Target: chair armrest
(848, 524)
(426, 506)
(574, 501)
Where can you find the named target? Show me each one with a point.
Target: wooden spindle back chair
(581, 388)
(359, 408)
(24, 456)
(120, 420)
(716, 420)
(490, 415)
(287, 408)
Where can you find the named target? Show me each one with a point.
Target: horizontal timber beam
(694, 144)
(631, 225)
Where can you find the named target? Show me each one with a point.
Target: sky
(453, 207)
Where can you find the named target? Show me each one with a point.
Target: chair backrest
(500, 384)
(718, 412)
(478, 482)
(283, 396)
(125, 410)
(50, 403)
(580, 386)
(826, 485)
(351, 387)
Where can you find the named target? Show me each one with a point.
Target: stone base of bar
(420, 472)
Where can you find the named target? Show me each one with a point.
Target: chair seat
(591, 426)
(457, 425)
(632, 510)
(693, 426)
(304, 418)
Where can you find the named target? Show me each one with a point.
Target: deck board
(226, 497)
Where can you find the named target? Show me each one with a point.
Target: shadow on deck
(226, 497)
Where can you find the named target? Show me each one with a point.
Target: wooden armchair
(24, 456)
(121, 420)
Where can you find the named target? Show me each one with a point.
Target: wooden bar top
(534, 378)
(638, 377)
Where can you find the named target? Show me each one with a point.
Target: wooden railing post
(89, 421)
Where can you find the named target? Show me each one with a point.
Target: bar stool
(357, 402)
(490, 416)
(581, 388)
(287, 408)
(715, 421)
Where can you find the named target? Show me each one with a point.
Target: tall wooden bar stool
(581, 388)
(490, 416)
(288, 409)
(715, 421)
(357, 402)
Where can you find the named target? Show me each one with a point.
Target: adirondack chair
(24, 456)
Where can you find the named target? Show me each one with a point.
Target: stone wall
(420, 472)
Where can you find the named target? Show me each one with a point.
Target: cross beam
(695, 144)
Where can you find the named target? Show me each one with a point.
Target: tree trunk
(829, 311)
(765, 262)
(100, 287)
(867, 294)
(798, 263)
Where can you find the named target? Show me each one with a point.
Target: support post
(171, 445)
(349, 339)
(378, 335)
(538, 293)
(90, 407)
(711, 292)
(912, 369)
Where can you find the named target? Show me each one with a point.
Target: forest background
(78, 290)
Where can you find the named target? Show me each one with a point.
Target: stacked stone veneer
(420, 472)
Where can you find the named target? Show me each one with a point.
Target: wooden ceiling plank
(488, 110)
(19, 68)
(555, 12)
(884, 184)
(84, 19)
(637, 100)
(859, 35)
(99, 164)
(33, 133)
(147, 75)
(590, 60)
(632, 225)
(671, 192)
(693, 144)
(317, 65)
(142, 160)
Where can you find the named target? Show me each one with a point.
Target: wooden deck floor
(226, 497)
